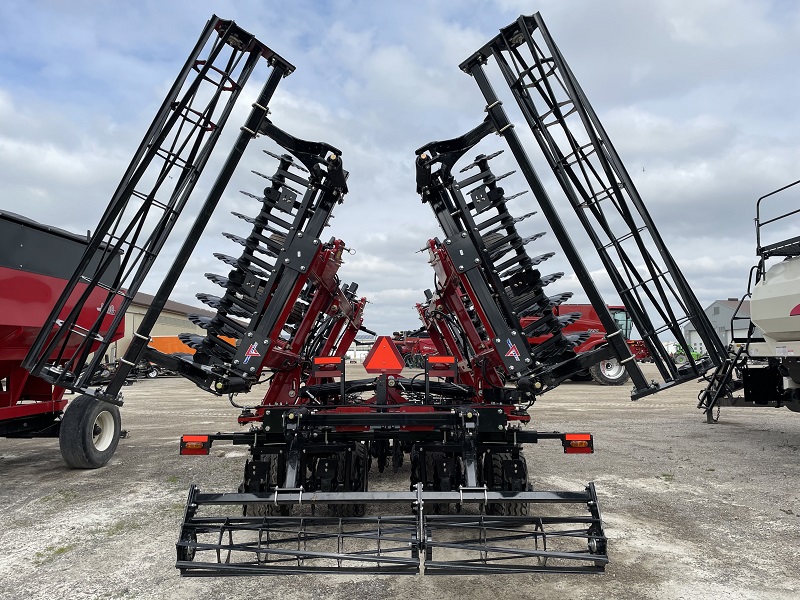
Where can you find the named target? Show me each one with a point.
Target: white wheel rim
(612, 369)
(103, 431)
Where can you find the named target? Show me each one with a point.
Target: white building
(720, 313)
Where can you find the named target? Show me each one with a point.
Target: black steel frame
(496, 272)
(136, 224)
(601, 192)
(296, 437)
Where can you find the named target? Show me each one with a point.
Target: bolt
(302, 268)
(236, 362)
(477, 261)
(448, 241)
(463, 234)
(513, 332)
(496, 340)
(527, 360)
(315, 242)
(286, 261)
(299, 234)
(510, 367)
(461, 267)
(252, 369)
(500, 427)
(249, 334)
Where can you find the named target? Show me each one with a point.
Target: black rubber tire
(609, 372)
(582, 376)
(431, 458)
(265, 510)
(89, 432)
(508, 509)
(152, 373)
(360, 466)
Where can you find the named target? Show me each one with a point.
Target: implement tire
(89, 432)
(508, 509)
(609, 372)
(359, 482)
(270, 483)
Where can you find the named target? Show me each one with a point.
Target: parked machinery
(459, 423)
(35, 262)
(764, 364)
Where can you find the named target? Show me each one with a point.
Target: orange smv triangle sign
(384, 357)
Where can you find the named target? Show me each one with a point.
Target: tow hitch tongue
(470, 542)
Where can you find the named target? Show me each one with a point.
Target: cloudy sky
(700, 98)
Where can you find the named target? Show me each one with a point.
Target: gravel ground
(691, 510)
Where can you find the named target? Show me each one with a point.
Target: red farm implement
(284, 317)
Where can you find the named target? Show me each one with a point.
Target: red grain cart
(35, 262)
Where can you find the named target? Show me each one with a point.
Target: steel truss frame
(136, 223)
(601, 192)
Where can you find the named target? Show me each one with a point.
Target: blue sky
(699, 97)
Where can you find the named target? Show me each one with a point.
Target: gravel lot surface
(691, 510)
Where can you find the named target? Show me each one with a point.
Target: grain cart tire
(152, 373)
(609, 372)
(89, 432)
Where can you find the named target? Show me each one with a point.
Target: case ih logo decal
(512, 350)
(795, 311)
(251, 352)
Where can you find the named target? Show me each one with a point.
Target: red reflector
(445, 360)
(193, 452)
(577, 436)
(572, 450)
(327, 360)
